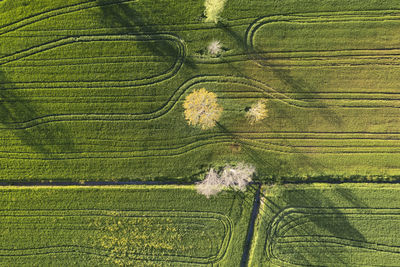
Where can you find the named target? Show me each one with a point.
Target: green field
(121, 225)
(328, 225)
(93, 90)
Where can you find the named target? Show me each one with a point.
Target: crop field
(328, 225)
(93, 89)
(100, 153)
(121, 225)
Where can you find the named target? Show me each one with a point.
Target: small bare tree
(237, 178)
(201, 108)
(257, 112)
(214, 48)
(213, 9)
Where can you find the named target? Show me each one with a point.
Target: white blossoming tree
(214, 48)
(235, 177)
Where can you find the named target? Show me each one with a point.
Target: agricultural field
(328, 225)
(122, 226)
(131, 129)
(93, 90)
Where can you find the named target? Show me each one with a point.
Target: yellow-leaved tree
(202, 109)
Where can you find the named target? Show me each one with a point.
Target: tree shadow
(131, 21)
(302, 90)
(251, 153)
(43, 140)
(324, 220)
(240, 40)
(268, 163)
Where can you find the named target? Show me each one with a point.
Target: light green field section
(328, 225)
(93, 90)
(125, 226)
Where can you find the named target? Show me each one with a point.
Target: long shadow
(240, 40)
(301, 88)
(267, 164)
(253, 155)
(250, 230)
(316, 225)
(129, 20)
(44, 140)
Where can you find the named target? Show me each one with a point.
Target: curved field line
(195, 145)
(304, 219)
(340, 241)
(316, 18)
(291, 150)
(56, 12)
(267, 135)
(276, 232)
(309, 61)
(38, 17)
(222, 218)
(168, 152)
(162, 28)
(171, 102)
(191, 140)
(70, 40)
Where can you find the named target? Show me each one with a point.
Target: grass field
(125, 225)
(93, 90)
(328, 225)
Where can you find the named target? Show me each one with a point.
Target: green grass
(93, 90)
(122, 225)
(328, 225)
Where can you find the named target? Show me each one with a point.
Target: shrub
(201, 108)
(257, 112)
(213, 9)
(237, 178)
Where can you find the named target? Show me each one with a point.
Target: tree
(201, 108)
(211, 185)
(237, 178)
(214, 48)
(257, 112)
(213, 9)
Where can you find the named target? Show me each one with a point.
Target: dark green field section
(328, 225)
(122, 226)
(93, 90)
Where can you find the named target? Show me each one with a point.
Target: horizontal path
(116, 183)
